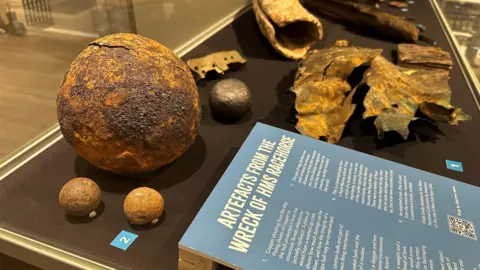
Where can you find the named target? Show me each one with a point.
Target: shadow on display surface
(163, 178)
(186, 183)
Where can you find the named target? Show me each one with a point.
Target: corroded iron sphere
(80, 197)
(230, 100)
(143, 205)
(128, 105)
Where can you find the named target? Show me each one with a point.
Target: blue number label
(123, 240)
(454, 165)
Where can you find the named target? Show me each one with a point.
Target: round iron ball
(128, 105)
(80, 197)
(143, 205)
(230, 100)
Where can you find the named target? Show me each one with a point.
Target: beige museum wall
(173, 22)
(31, 71)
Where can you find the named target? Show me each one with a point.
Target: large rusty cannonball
(128, 104)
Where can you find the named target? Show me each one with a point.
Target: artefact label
(291, 202)
(123, 240)
(454, 165)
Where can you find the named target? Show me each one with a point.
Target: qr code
(462, 227)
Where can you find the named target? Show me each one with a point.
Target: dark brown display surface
(28, 197)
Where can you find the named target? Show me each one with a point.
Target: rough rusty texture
(396, 93)
(128, 104)
(323, 102)
(417, 56)
(80, 196)
(288, 26)
(391, 120)
(398, 4)
(342, 43)
(218, 62)
(368, 2)
(143, 205)
(367, 17)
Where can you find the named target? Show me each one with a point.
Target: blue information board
(291, 202)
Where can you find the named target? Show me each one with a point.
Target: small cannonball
(230, 100)
(143, 205)
(80, 197)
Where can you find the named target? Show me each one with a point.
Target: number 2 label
(123, 240)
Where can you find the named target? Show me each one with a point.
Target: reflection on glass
(463, 17)
(39, 39)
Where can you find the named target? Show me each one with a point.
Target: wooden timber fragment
(398, 4)
(416, 56)
(367, 17)
(288, 26)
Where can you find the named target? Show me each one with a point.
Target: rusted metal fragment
(218, 62)
(396, 93)
(398, 4)
(322, 110)
(435, 81)
(323, 96)
(333, 62)
(438, 113)
(416, 56)
(367, 17)
(442, 110)
(342, 43)
(393, 120)
(288, 26)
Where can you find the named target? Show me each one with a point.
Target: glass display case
(40, 38)
(462, 20)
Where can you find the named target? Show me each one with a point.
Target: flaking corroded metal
(397, 93)
(323, 95)
(219, 62)
(128, 104)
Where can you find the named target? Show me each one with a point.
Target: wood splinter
(398, 4)
(423, 57)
